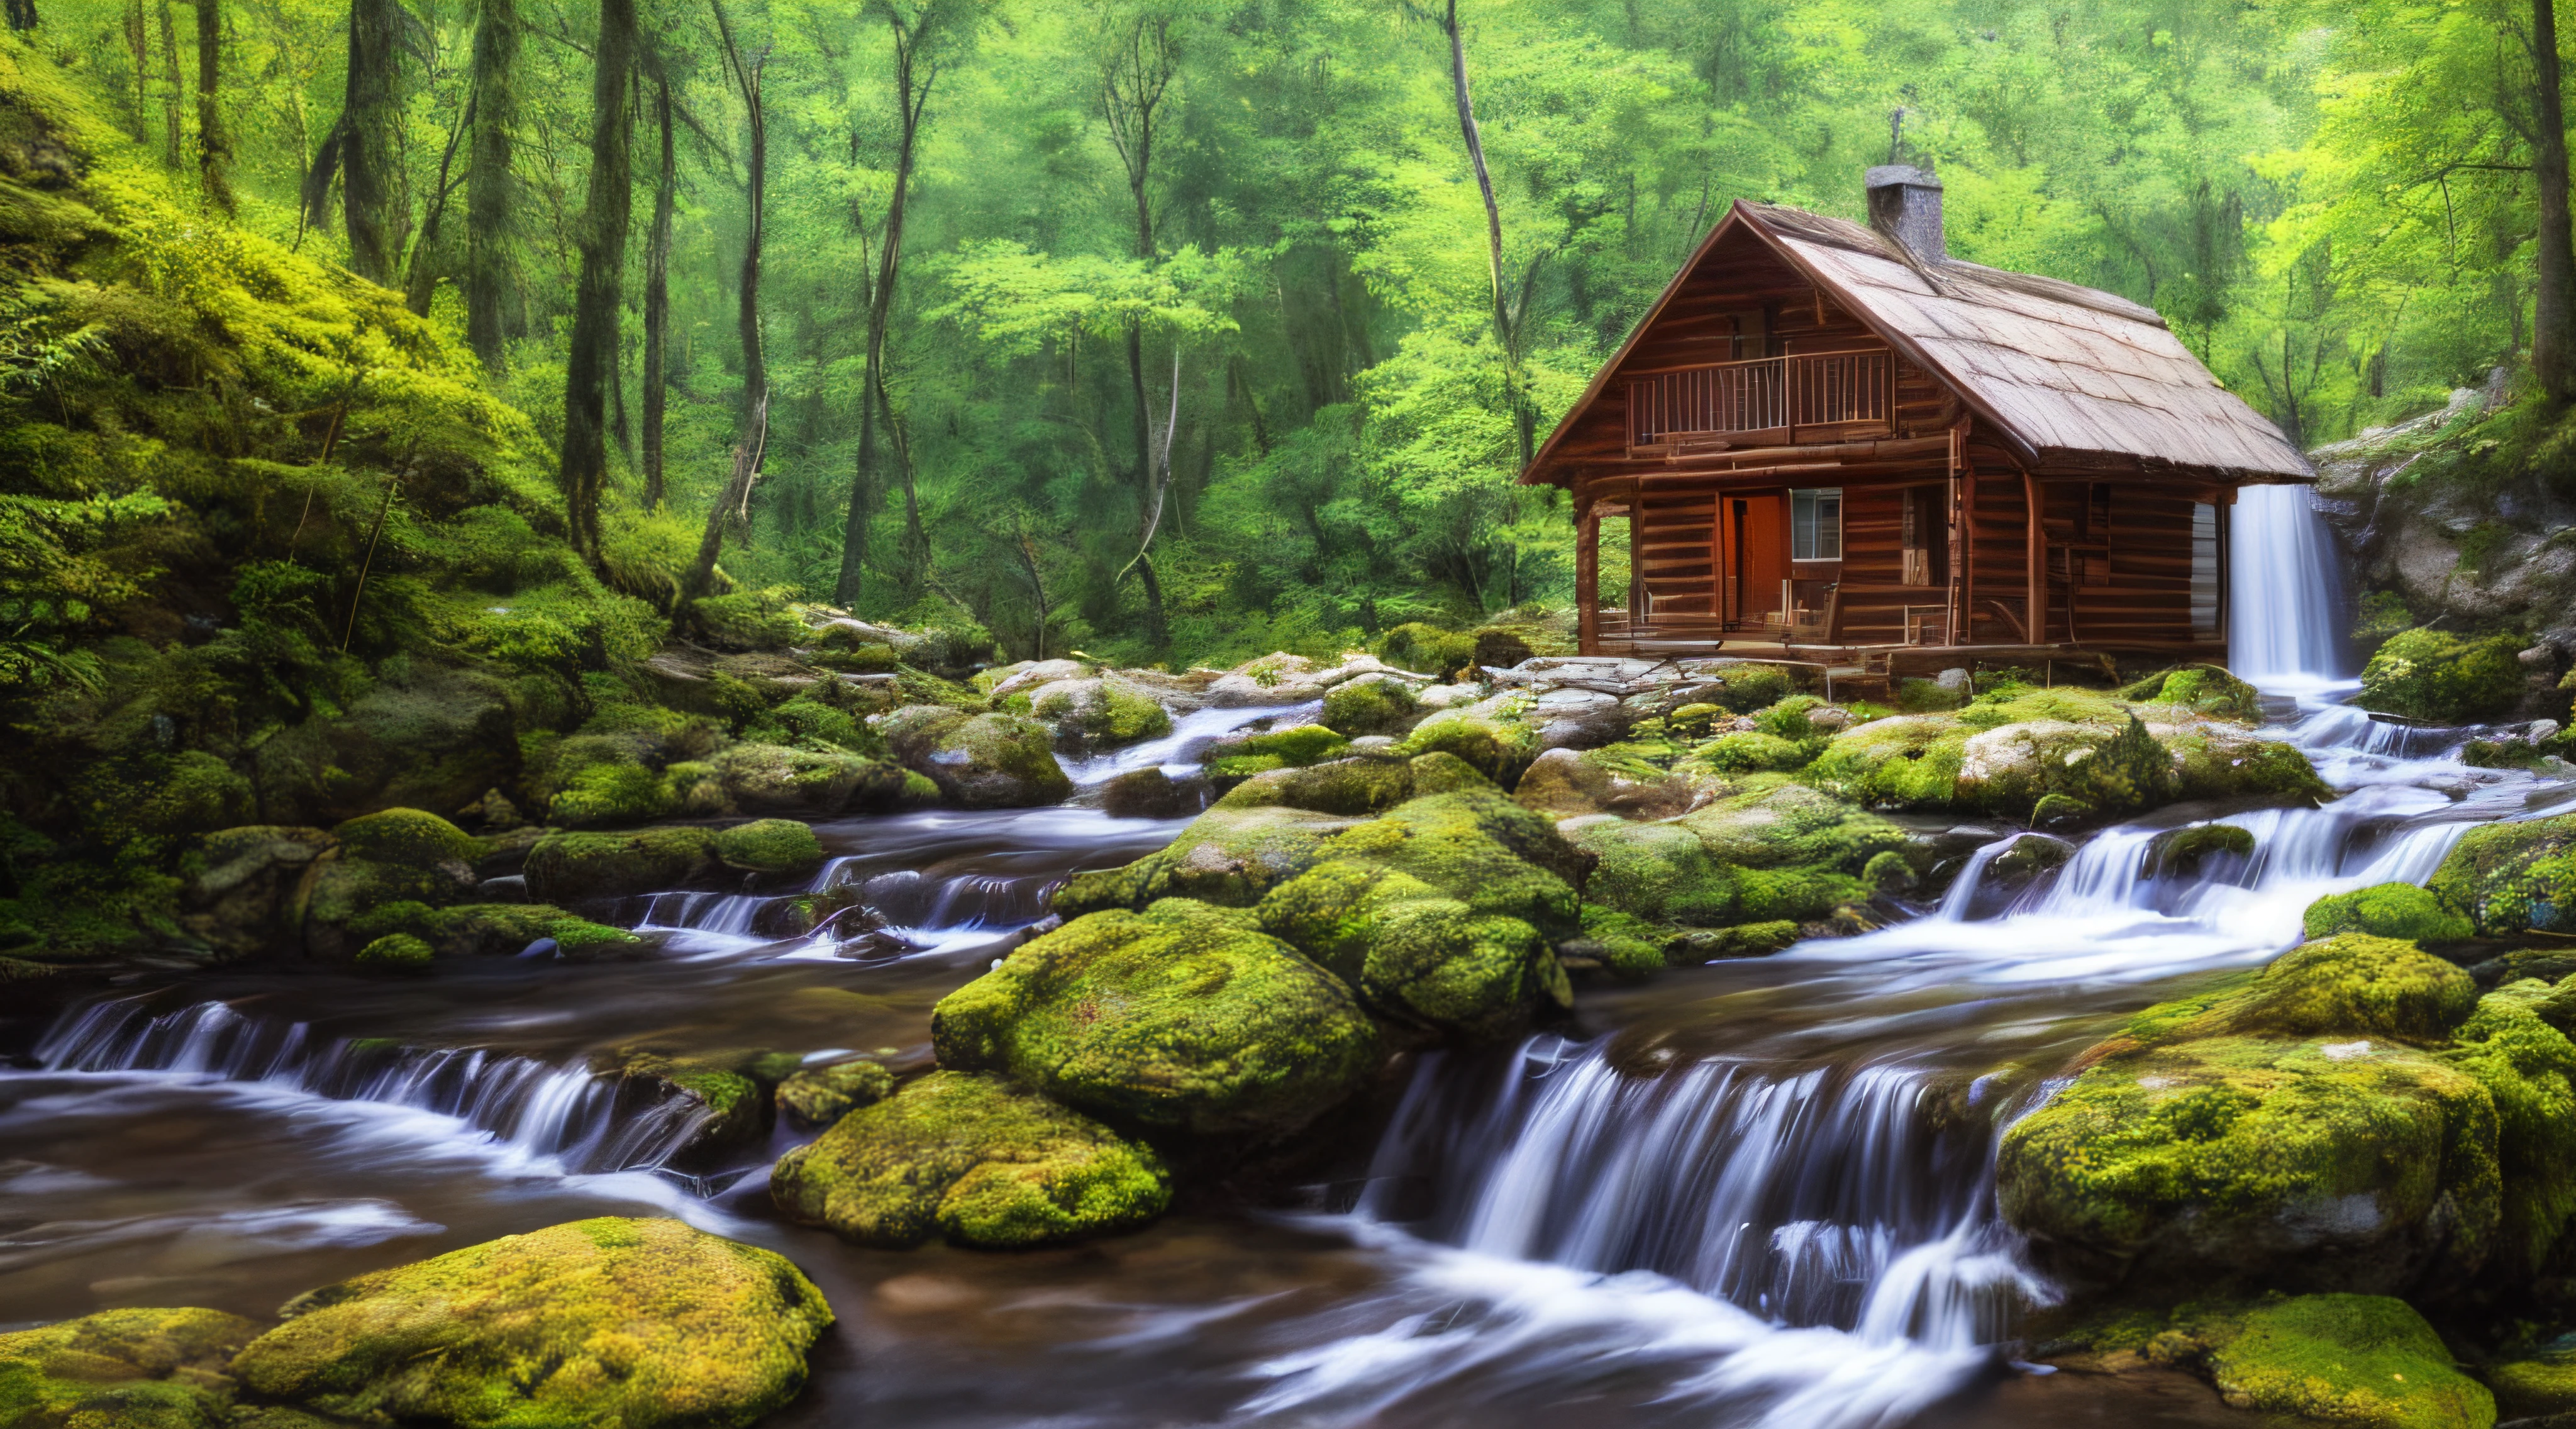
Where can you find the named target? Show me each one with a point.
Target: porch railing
(1774, 396)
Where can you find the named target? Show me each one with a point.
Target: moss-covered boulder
(820, 1096)
(777, 848)
(2536, 1383)
(2366, 1360)
(986, 761)
(1427, 649)
(241, 901)
(2207, 690)
(2009, 769)
(2180, 853)
(1790, 851)
(2388, 910)
(803, 782)
(2285, 1125)
(2220, 761)
(1497, 747)
(1371, 704)
(1416, 954)
(569, 866)
(1183, 1018)
(1229, 856)
(1357, 785)
(2437, 676)
(2528, 1068)
(393, 856)
(2510, 878)
(122, 1369)
(1659, 872)
(423, 734)
(395, 952)
(410, 838)
(975, 1160)
(648, 1324)
(1101, 712)
(1903, 762)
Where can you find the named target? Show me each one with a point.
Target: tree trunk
(1505, 331)
(598, 299)
(214, 145)
(138, 42)
(430, 259)
(657, 301)
(914, 79)
(171, 92)
(735, 502)
(2553, 329)
(365, 146)
(736, 493)
(1132, 88)
(22, 14)
(488, 183)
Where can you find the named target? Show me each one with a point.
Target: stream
(1751, 1193)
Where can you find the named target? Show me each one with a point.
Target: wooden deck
(1877, 662)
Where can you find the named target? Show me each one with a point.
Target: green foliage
(2387, 910)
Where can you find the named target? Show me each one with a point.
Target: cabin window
(2204, 568)
(1816, 524)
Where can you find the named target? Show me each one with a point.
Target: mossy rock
(1098, 712)
(1413, 953)
(1357, 786)
(407, 838)
(2387, 910)
(396, 952)
(2436, 676)
(985, 761)
(2213, 761)
(122, 1369)
(647, 1324)
(2511, 878)
(2528, 1067)
(1296, 745)
(2010, 768)
(2536, 1384)
(776, 847)
(820, 1096)
(1745, 688)
(1370, 704)
(344, 890)
(2367, 1360)
(1497, 749)
(568, 866)
(1903, 762)
(580, 940)
(2277, 1125)
(1477, 846)
(1228, 856)
(803, 782)
(1659, 872)
(1181, 1018)
(1743, 940)
(1777, 824)
(2207, 690)
(599, 795)
(1753, 751)
(1427, 648)
(975, 1160)
(2177, 853)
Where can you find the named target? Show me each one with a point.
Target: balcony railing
(1723, 403)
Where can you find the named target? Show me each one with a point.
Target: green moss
(579, 939)
(1777, 824)
(2177, 853)
(1746, 688)
(396, 952)
(820, 1096)
(2008, 768)
(1751, 751)
(2536, 1385)
(2351, 1359)
(984, 761)
(2202, 689)
(1438, 773)
(471, 929)
(648, 1324)
(807, 720)
(1659, 872)
(1427, 648)
(602, 794)
(770, 846)
(1910, 762)
(1298, 744)
(1694, 719)
(2510, 878)
(1413, 953)
(1631, 947)
(407, 837)
(1497, 749)
(122, 1369)
(809, 782)
(2386, 910)
(1744, 940)
(2434, 675)
(1477, 846)
(1356, 786)
(749, 620)
(1369, 704)
(1179, 1018)
(2529, 1068)
(975, 1160)
(567, 866)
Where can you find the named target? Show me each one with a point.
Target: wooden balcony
(1764, 401)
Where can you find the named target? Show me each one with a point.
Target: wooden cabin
(1835, 443)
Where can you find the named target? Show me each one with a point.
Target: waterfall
(2286, 602)
(565, 1114)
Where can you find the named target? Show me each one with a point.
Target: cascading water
(567, 1116)
(2286, 597)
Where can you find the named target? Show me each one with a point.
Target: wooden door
(1754, 534)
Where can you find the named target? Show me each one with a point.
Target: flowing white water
(1815, 1242)
(1176, 753)
(566, 1118)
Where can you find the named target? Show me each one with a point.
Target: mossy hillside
(1182, 1018)
(2278, 1124)
(122, 1369)
(648, 1324)
(972, 1159)
(2436, 676)
(2388, 910)
(235, 431)
(2510, 878)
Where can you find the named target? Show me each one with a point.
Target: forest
(1184, 331)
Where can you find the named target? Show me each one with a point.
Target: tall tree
(172, 93)
(22, 14)
(915, 36)
(598, 299)
(138, 43)
(214, 144)
(1506, 326)
(735, 502)
(2553, 326)
(1135, 77)
(364, 148)
(489, 186)
(657, 297)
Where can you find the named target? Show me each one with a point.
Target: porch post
(1959, 542)
(1587, 576)
(2035, 565)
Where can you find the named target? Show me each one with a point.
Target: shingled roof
(2068, 374)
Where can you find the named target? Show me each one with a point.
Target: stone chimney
(1905, 204)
